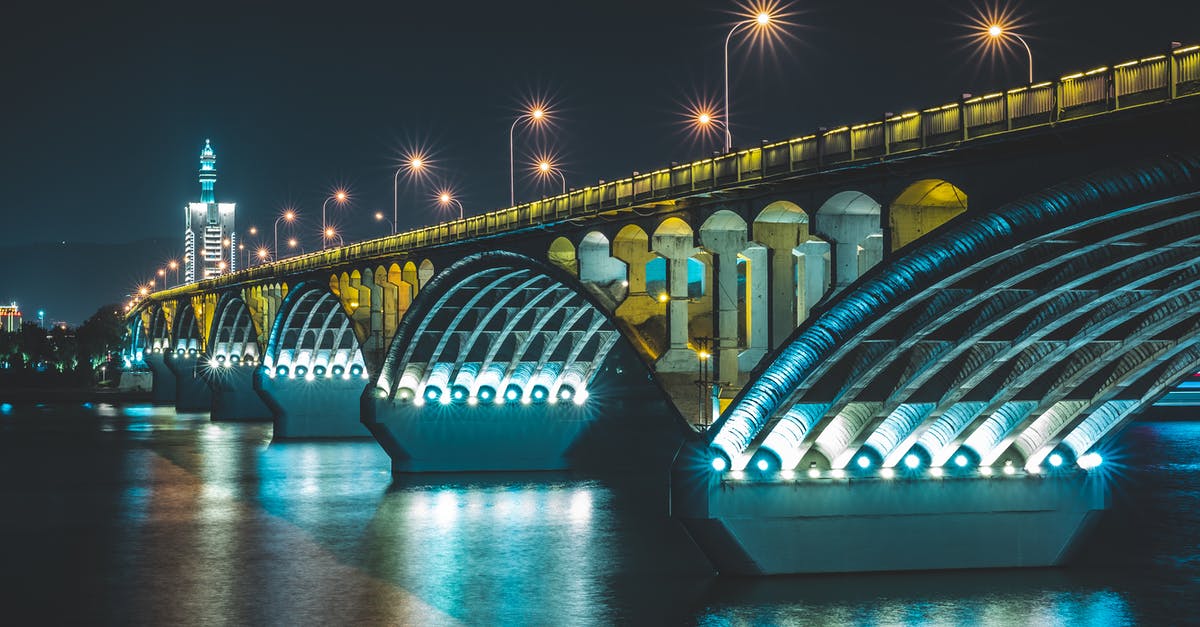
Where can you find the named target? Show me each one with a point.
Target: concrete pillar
(676, 249)
(233, 394)
(849, 232)
(725, 246)
(596, 265)
(815, 255)
(756, 307)
(322, 408)
(871, 253)
(163, 386)
(192, 393)
(780, 238)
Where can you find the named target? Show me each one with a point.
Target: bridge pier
(325, 407)
(233, 394)
(756, 303)
(775, 527)
(814, 254)
(191, 392)
(163, 387)
(676, 248)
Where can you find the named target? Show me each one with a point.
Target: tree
(100, 335)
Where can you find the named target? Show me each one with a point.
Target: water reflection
(186, 521)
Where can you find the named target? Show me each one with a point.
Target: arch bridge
(935, 321)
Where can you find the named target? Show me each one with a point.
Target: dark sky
(105, 106)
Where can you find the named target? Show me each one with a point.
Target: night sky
(105, 107)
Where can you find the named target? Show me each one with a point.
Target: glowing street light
(340, 196)
(379, 218)
(293, 242)
(445, 199)
(416, 163)
(546, 169)
(996, 32)
(289, 216)
(263, 254)
(535, 115)
(764, 18)
(331, 233)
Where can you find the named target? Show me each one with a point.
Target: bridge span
(845, 364)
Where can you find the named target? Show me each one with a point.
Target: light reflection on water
(201, 522)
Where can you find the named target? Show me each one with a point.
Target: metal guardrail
(1155, 79)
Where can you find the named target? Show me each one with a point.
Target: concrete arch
(922, 207)
(409, 274)
(516, 346)
(562, 254)
(311, 311)
(233, 338)
(1021, 244)
(186, 331)
(851, 221)
(425, 272)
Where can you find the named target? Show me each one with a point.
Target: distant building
(10, 318)
(209, 238)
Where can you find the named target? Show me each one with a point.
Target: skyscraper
(209, 239)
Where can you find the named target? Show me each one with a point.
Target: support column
(756, 307)
(872, 253)
(191, 392)
(163, 387)
(233, 394)
(849, 232)
(725, 246)
(676, 249)
(780, 238)
(815, 254)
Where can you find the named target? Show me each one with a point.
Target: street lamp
(445, 199)
(546, 169)
(293, 242)
(331, 233)
(416, 164)
(340, 196)
(379, 218)
(174, 266)
(761, 21)
(535, 115)
(163, 274)
(288, 216)
(263, 254)
(997, 32)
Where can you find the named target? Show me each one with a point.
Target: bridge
(844, 363)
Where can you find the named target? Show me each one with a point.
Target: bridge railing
(1149, 80)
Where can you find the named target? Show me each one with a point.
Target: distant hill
(70, 280)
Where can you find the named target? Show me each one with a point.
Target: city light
(445, 198)
(289, 216)
(534, 114)
(341, 196)
(546, 169)
(763, 20)
(994, 29)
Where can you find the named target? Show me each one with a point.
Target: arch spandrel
(922, 207)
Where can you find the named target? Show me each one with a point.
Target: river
(137, 515)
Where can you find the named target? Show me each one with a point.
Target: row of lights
(319, 372)
(913, 463)
(459, 394)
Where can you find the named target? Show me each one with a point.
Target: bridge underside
(982, 371)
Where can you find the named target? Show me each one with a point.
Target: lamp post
(762, 20)
(535, 115)
(380, 218)
(445, 199)
(163, 275)
(331, 233)
(415, 164)
(174, 266)
(263, 255)
(998, 31)
(340, 196)
(545, 169)
(288, 216)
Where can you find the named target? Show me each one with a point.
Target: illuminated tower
(209, 239)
